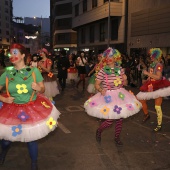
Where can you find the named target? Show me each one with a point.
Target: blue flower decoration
(117, 109)
(17, 130)
(1, 104)
(53, 102)
(107, 99)
(23, 116)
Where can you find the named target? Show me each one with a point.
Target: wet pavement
(72, 146)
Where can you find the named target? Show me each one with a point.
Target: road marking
(168, 117)
(74, 109)
(63, 128)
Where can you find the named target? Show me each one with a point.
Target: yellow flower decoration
(45, 104)
(22, 88)
(51, 123)
(105, 110)
(137, 104)
(87, 102)
(117, 82)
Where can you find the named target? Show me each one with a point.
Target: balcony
(101, 12)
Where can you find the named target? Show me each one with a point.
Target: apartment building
(100, 24)
(5, 23)
(148, 26)
(62, 34)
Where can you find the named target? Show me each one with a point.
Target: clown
(155, 87)
(90, 88)
(50, 83)
(112, 101)
(25, 114)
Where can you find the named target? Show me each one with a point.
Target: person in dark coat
(2, 58)
(62, 66)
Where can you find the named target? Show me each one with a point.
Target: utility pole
(108, 35)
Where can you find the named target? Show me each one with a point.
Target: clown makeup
(14, 55)
(109, 60)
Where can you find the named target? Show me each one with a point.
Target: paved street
(72, 146)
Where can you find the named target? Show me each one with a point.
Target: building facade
(100, 24)
(62, 34)
(148, 26)
(5, 23)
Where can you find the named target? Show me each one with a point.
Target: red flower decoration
(50, 74)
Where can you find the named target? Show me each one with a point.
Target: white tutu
(115, 104)
(163, 92)
(72, 76)
(91, 88)
(51, 89)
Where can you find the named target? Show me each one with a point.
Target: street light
(108, 36)
(41, 24)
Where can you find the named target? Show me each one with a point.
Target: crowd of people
(31, 86)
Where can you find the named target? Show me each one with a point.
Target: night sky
(31, 8)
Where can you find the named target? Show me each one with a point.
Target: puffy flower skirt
(115, 104)
(28, 122)
(154, 89)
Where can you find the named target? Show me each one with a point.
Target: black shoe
(158, 128)
(118, 142)
(3, 155)
(98, 136)
(2, 160)
(34, 166)
(146, 117)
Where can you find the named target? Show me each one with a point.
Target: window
(77, 10)
(92, 34)
(7, 32)
(94, 3)
(111, 1)
(6, 2)
(0, 38)
(7, 25)
(83, 36)
(84, 5)
(6, 10)
(102, 32)
(63, 9)
(114, 29)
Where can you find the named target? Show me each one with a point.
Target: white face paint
(15, 55)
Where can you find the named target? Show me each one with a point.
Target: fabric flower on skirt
(17, 130)
(129, 107)
(23, 116)
(87, 102)
(121, 96)
(22, 88)
(105, 110)
(92, 103)
(51, 123)
(150, 87)
(117, 109)
(137, 105)
(107, 99)
(1, 104)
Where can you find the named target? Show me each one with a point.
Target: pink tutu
(27, 122)
(115, 104)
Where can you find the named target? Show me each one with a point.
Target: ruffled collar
(23, 73)
(108, 70)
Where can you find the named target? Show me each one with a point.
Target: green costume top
(19, 83)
